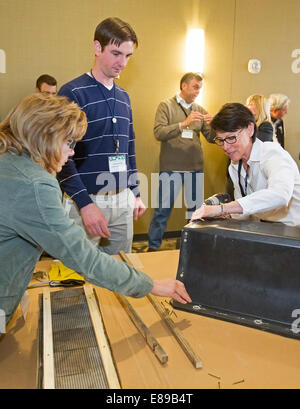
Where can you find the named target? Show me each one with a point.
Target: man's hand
(196, 116)
(94, 221)
(169, 287)
(139, 208)
(207, 118)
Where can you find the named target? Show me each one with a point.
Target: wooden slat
(48, 356)
(188, 350)
(184, 344)
(104, 348)
(144, 330)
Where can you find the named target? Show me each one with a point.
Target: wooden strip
(135, 260)
(193, 357)
(104, 348)
(48, 357)
(144, 330)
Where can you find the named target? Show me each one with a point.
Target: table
(233, 356)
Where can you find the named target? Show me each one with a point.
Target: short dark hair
(48, 79)
(116, 31)
(189, 76)
(232, 117)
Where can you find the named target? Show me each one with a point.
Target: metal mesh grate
(77, 361)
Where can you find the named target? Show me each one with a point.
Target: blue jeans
(170, 184)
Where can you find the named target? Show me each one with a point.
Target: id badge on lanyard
(186, 133)
(117, 163)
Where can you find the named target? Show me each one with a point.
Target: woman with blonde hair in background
(36, 139)
(260, 108)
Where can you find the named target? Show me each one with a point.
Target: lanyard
(184, 111)
(112, 113)
(243, 192)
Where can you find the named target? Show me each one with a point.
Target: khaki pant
(118, 210)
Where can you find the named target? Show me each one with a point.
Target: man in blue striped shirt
(100, 181)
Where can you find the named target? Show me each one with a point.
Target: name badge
(117, 163)
(187, 134)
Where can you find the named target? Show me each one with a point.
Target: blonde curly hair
(38, 125)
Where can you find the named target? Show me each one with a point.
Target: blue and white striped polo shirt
(88, 171)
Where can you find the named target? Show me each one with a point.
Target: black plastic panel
(243, 272)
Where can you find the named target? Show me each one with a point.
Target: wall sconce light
(194, 56)
(254, 66)
(2, 62)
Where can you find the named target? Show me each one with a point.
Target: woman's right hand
(169, 287)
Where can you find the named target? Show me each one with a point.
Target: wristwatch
(223, 213)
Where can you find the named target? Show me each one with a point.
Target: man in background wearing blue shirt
(100, 181)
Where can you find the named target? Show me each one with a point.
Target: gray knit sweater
(177, 153)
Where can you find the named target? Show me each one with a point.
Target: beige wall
(269, 33)
(55, 37)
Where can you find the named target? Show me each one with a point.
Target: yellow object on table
(60, 275)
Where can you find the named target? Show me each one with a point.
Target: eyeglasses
(229, 139)
(71, 142)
